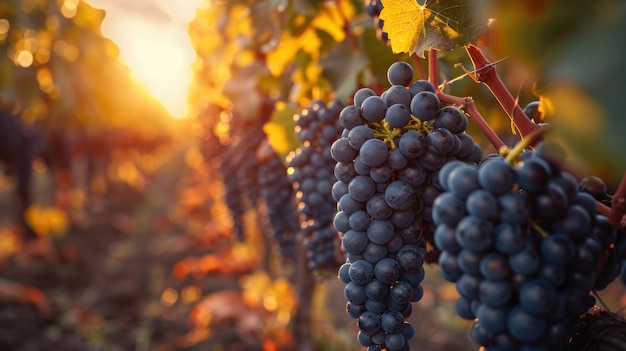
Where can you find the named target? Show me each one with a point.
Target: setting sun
(153, 42)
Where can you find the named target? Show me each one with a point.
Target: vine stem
(618, 205)
(433, 69)
(467, 103)
(514, 153)
(486, 73)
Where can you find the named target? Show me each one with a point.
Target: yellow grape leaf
(47, 221)
(331, 20)
(281, 56)
(438, 25)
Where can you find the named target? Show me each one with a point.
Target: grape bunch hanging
(388, 158)
(317, 127)
(522, 245)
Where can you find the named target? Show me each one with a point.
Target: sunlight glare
(158, 53)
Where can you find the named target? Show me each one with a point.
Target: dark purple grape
(444, 239)
(381, 174)
(524, 326)
(474, 233)
(467, 286)
(425, 106)
(380, 231)
(514, 208)
(359, 135)
(532, 112)
(497, 176)
(462, 181)
(400, 73)
(419, 86)
(398, 94)
(537, 296)
(440, 141)
(411, 258)
(495, 293)
(362, 94)
(594, 186)
(492, 319)
(448, 209)
(398, 116)
(395, 342)
(557, 249)
(482, 203)
(376, 290)
(452, 119)
(351, 117)
(396, 160)
(399, 195)
(377, 207)
(354, 241)
(525, 262)
(401, 292)
(341, 151)
(361, 188)
(343, 275)
(374, 109)
(387, 270)
(369, 323)
(509, 238)
(463, 308)
(374, 152)
(533, 174)
(413, 144)
(494, 266)
(361, 272)
(354, 293)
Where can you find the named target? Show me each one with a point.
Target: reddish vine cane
(466, 103)
(485, 73)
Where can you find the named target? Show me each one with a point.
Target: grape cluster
(522, 245)
(56, 151)
(20, 144)
(615, 264)
(276, 189)
(390, 152)
(373, 8)
(317, 127)
(239, 165)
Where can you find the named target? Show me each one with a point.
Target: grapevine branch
(433, 69)
(418, 66)
(490, 78)
(618, 205)
(467, 103)
(617, 212)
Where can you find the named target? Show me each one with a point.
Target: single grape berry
(400, 73)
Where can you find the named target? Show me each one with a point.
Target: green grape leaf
(437, 24)
(379, 56)
(585, 93)
(342, 67)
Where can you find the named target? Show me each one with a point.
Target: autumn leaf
(438, 25)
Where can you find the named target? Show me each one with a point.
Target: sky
(153, 41)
